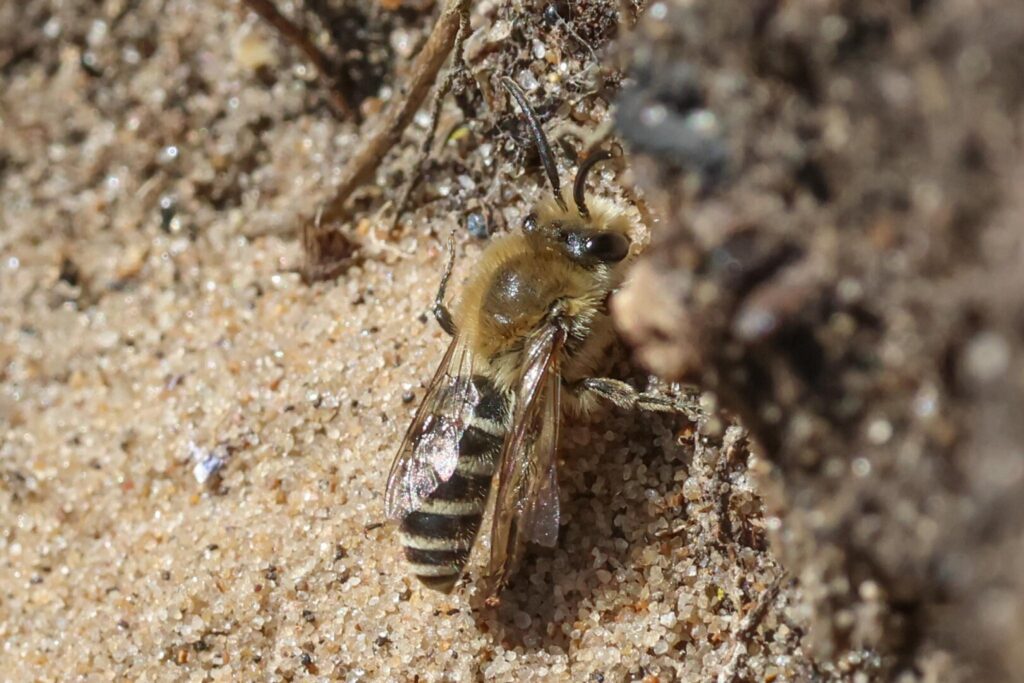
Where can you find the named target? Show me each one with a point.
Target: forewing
(541, 513)
(526, 502)
(430, 449)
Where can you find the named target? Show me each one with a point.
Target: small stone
(986, 357)
(477, 225)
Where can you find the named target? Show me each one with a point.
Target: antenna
(539, 139)
(580, 185)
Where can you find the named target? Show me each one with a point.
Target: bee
(529, 335)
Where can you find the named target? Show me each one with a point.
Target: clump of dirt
(840, 185)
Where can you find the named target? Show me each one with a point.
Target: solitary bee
(529, 333)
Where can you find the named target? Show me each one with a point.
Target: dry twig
(747, 627)
(734, 438)
(401, 109)
(435, 115)
(287, 28)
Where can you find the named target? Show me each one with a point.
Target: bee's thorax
(512, 293)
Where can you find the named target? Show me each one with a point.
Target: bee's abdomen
(439, 535)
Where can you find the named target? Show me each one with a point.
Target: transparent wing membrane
(430, 450)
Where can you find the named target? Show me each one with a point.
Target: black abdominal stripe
(439, 535)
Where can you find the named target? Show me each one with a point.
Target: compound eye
(608, 247)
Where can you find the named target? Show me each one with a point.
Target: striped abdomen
(439, 535)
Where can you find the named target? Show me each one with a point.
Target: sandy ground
(155, 160)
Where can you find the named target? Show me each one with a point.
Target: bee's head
(587, 240)
(581, 240)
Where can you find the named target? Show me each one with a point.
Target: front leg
(441, 312)
(626, 397)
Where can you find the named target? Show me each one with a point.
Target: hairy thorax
(510, 295)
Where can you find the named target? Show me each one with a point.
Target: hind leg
(624, 396)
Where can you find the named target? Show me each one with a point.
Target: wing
(430, 449)
(526, 503)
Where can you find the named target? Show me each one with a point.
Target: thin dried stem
(295, 35)
(735, 438)
(751, 621)
(454, 69)
(401, 110)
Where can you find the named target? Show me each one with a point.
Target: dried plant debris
(456, 71)
(839, 288)
(328, 252)
(399, 114)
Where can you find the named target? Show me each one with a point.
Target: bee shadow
(605, 517)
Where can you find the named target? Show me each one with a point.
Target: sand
(194, 443)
